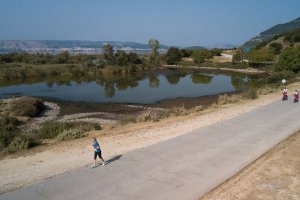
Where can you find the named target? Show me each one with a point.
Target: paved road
(185, 167)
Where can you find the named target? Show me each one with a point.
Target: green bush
(261, 57)
(293, 36)
(173, 56)
(277, 76)
(277, 47)
(200, 56)
(290, 60)
(8, 130)
(26, 106)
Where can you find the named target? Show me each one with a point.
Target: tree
(200, 56)
(154, 57)
(173, 56)
(261, 57)
(121, 58)
(238, 56)
(216, 52)
(62, 58)
(108, 53)
(261, 45)
(289, 60)
(186, 52)
(134, 59)
(277, 47)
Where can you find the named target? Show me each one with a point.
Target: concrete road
(185, 167)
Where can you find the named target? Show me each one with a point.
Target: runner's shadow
(115, 158)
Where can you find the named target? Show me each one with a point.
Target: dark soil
(68, 108)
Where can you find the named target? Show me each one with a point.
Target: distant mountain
(222, 46)
(69, 44)
(194, 48)
(273, 31)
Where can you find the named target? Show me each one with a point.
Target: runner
(97, 152)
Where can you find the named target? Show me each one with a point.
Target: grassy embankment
(18, 130)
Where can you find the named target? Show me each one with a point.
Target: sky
(173, 22)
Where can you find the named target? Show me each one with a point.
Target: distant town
(73, 47)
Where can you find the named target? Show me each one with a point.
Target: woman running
(97, 152)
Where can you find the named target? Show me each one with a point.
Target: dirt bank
(275, 175)
(47, 161)
(248, 70)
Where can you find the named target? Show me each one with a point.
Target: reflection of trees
(153, 81)
(245, 82)
(109, 89)
(50, 84)
(123, 84)
(113, 82)
(238, 83)
(201, 78)
(174, 78)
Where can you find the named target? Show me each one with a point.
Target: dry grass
(147, 116)
(228, 99)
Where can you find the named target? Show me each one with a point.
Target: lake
(143, 88)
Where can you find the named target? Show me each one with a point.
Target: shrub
(51, 129)
(147, 116)
(21, 142)
(177, 111)
(198, 108)
(277, 47)
(200, 56)
(128, 119)
(70, 134)
(260, 57)
(267, 90)
(250, 94)
(225, 99)
(26, 106)
(290, 59)
(173, 56)
(8, 130)
(279, 75)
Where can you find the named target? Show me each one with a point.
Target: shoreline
(68, 107)
(245, 71)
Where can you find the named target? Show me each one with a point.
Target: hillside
(284, 40)
(273, 31)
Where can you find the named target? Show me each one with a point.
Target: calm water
(134, 88)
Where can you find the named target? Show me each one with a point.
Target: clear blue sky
(172, 22)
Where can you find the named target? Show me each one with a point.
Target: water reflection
(131, 87)
(153, 81)
(174, 78)
(201, 78)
